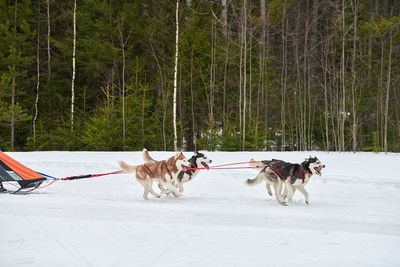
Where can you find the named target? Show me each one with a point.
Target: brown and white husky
(164, 172)
(184, 176)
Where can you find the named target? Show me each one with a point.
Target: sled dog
(286, 176)
(164, 172)
(196, 161)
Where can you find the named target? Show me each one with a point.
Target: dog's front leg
(170, 187)
(163, 190)
(305, 193)
(289, 189)
(180, 186)
(278, 190)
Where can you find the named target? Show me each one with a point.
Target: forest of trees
(251, 75)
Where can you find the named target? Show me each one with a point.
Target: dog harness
(301, 175)
(150, 172)
(276, 170)
(189, 172)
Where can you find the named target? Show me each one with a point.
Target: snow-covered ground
(353, 218)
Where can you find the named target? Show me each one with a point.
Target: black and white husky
(285, 176)
(198, 160)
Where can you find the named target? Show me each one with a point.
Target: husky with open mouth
(198, 160)
(285, 176)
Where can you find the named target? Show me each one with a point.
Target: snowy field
(353, 218)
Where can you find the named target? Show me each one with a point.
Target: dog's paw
(308, 202)
(177, 194)
(283, 203)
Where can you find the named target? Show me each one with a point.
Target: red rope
(218, 167)
(89, 176)
(234, 164)
(109, 173)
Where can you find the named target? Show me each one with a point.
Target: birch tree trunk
(73, 70)
(353, 84)
(123, 44)
(13, 80)
(262, 66)
(224, 14)
(123, 82)
(283, 79)
(225, 32)
(342, 114)
(38, 72)
(386, 114)
(325, 73)
(211, 97)
(241, 75)
(48, 39)
(176, 74)
(265, 68)
(192, 102)
(244, 72)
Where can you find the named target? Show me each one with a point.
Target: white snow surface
(353, 218)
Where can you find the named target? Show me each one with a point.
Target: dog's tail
(259, 178)
(126, 167)
(146, 156)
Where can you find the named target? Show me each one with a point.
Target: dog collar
(305, 171)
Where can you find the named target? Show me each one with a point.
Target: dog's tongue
(319, 169)
(205, 164)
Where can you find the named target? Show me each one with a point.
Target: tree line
(250, 75)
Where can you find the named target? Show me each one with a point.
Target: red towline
(220, 167)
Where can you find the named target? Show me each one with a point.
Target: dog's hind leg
(148, 188)
(284, 192)
(146, 191)
(278, 190)
(269, 189)
(305, 193)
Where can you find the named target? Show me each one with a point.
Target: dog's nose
(210, 161)
(323, 166)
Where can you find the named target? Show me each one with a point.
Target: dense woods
(251, 75)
